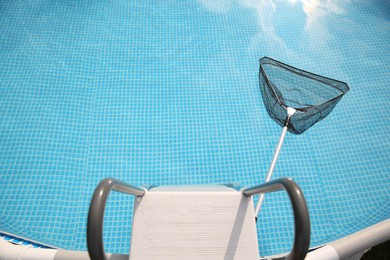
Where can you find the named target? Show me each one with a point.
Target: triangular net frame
(311, 95)
(295, 99)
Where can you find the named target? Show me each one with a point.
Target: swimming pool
(167, 93)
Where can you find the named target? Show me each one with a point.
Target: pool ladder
(299, 207)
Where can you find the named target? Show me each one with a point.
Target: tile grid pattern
(168, 94)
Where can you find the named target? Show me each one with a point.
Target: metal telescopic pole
(290, 113)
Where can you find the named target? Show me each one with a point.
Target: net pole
(290, 112)
(271, 168)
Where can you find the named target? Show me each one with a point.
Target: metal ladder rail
(96, 213)
(301, 214)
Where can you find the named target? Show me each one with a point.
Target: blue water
(167, 93)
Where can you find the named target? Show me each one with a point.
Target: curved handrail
(96, 213)
(300, 210)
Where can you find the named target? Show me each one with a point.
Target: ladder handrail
(300, 210)
(99, 199)
(96, 213)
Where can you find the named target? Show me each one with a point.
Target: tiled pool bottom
(167, 93)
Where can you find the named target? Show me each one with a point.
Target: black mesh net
(313, 96)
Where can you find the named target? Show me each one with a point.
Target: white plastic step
(212, 222)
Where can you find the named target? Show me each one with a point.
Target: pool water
(163, 93)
